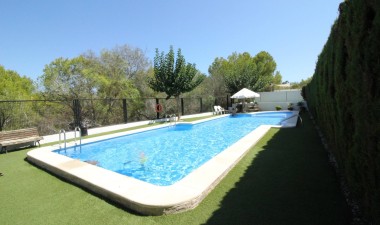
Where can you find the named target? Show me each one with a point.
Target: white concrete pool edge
(156, 200)
(99, 130)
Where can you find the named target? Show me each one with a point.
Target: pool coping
(183, 195)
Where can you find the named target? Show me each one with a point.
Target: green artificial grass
(197, 118)
(284, 179)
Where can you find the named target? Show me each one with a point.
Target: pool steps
(172, 120)
(62, 131)
(80, 135)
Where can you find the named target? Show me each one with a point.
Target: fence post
(182, 107)
(157, 113)
(227, 103)
(200, 102)
(125, 112)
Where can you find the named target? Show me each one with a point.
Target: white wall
(269, 100)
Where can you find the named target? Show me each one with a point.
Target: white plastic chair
(216, 110)
(221, 110)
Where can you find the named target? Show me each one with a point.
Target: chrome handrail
(173, 118)
(64, 137)
(80, 135)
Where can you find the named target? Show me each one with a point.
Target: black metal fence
(50, 116)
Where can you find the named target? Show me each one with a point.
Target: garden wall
(269, 100)
(344, 98)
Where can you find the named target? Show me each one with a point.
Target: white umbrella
(245, 93)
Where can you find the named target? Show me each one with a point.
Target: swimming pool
(185, 191)
(166, 155)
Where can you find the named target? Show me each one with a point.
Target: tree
(301, 84)
(116, 70)
(100, 81)
(67, 80)
(122, 74)
(14, 87)
(174, 78)
(305, 82)
(216, 78)
(243, 71)
(114, 74)
(277, 79)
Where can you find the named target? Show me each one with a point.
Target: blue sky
(34, 33)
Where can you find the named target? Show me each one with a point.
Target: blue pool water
(164, 156)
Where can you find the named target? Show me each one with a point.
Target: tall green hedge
(344, 97)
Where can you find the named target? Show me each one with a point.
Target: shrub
(344, 98)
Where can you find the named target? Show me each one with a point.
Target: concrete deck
(142, 197)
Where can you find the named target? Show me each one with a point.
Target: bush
(344, 98)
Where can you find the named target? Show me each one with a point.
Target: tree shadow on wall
(288, 182)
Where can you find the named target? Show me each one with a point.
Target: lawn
(284, 179)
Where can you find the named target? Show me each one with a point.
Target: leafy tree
(116, 70)
(112, 75)
(216, 78)
(277, 79)
(14, 87)
(302, 83)
(132, 61)
(140, 82)
(67, 79)
(174, 78)
(243, 71)
(120, 70)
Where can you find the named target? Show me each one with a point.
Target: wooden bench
(15, 137)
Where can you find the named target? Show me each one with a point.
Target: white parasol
(245, 93)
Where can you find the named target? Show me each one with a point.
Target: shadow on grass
(288, 182)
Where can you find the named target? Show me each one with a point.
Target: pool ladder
(172, 120)
(62, 131)
(80, 135)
